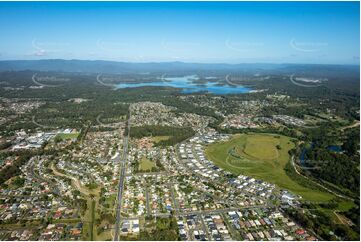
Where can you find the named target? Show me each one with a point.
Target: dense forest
(340, 168)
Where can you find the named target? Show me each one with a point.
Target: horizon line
(185, 62)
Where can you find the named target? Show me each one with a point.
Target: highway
(121, 181)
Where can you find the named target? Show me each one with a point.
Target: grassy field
(63, 136)
(256, 155)
(146, 164)
(157, 139)
(255, 144)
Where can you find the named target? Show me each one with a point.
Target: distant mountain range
(114, 67)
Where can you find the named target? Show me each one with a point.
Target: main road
(121, 179)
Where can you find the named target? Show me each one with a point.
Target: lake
(187, 84)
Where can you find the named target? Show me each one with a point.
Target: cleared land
(260, 147)
(157, 139)
(146, 164)
(256, 155)
(63, 136)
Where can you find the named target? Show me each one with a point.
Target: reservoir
(188, 85)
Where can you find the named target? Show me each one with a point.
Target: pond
(335, 148)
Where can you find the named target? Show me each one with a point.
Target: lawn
(261, 147)
(256, 155)
(157, 139)
(88, 228)
(146, 164)
(64, 136)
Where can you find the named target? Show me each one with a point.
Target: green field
(146, 164)
(255, 144)
(256, 155)
(63, 136)
(157, 139)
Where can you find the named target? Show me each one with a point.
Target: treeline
(177, 134)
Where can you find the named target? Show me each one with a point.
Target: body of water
(187, 85)
(335, 148)
(303, 154)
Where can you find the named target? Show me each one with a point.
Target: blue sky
(231, 32)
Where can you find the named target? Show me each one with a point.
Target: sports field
(261, 156)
